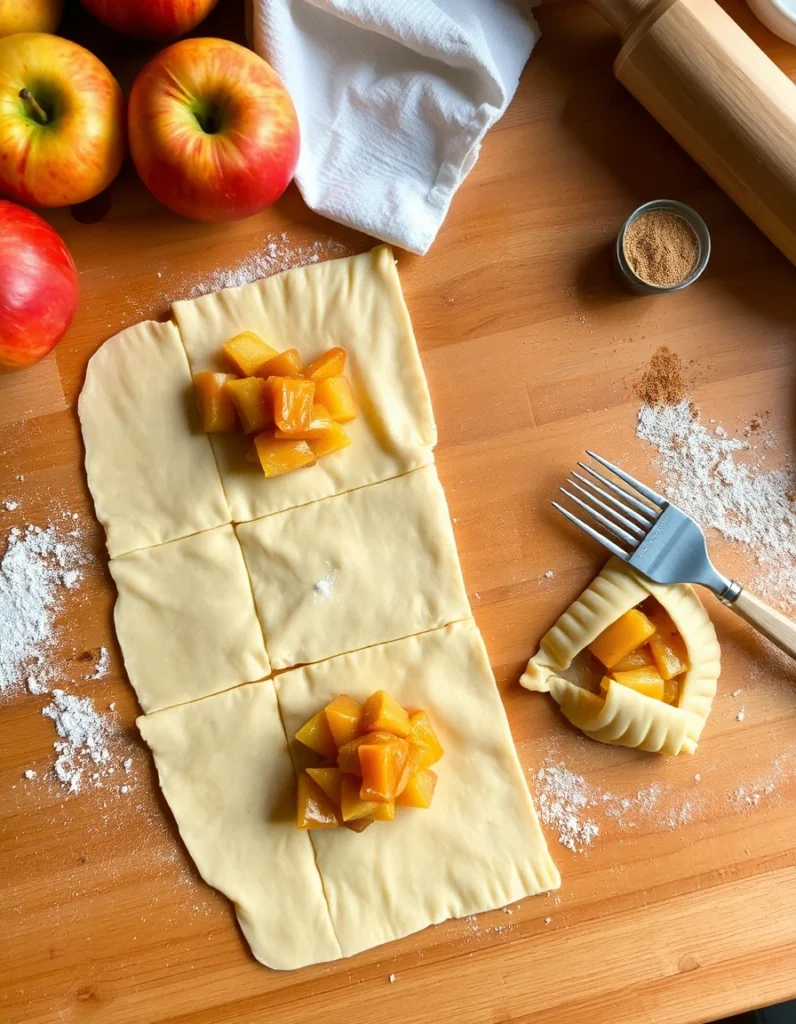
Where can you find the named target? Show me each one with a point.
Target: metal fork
(663, 543)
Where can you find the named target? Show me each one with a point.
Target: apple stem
(38, 111)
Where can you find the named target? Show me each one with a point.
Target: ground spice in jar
(661, 248)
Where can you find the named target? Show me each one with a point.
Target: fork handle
(772, 624)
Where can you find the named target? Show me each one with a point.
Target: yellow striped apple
(213, 132)
(150, 19)
(29, 15)
(38, 287)
(62, 125)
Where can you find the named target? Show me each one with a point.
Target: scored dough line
(309, 833)
(173, 320)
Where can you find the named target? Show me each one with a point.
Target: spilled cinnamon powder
(662, 381)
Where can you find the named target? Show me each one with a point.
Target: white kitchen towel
(393, 99)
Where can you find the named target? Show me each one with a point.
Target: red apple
(38, 287)
(29, 15)
(62, 124)
(150, 19)
(213, 132)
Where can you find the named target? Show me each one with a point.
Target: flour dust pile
(723, 483)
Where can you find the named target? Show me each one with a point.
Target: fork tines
(622, 513)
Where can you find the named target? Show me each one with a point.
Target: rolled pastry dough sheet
(150, 469)
(479, 846)
(225, 770)
(361, 568)
(186, 620)
(356, 303)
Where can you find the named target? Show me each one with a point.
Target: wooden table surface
(679, 915)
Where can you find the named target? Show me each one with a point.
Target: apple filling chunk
(378, 757)
(644, 651)
(293, 412)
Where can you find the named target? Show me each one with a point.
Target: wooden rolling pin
(720, 97)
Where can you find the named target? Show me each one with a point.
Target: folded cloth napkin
(393, 98)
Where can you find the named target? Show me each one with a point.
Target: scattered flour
(83, 743)
(569, 805)
(37, 566)
(277, 254)
(10, 506)
(323, 590)
(782, 771)
(741, 715)
(563, 797)
(736, 693)
(38, 569)
(103, 664)
(721, 481)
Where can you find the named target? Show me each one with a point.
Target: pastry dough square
(357, 569)
(356, 303)
(225, 770)
(185, 619)
(479, 846)
(150, 469)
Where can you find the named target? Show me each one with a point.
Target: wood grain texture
(723, 100)
(771, 623)
(530, 348)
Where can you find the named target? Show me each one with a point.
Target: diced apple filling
(643, 651)
(247, 352)
(216, 408)
(383, 753)
(294, 412)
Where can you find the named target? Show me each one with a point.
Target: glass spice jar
(694, 221)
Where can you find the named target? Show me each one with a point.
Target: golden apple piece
(248, 352)
(317, 735)
(382, 713)
(421, 734)
(321, 424)
(348, 754)
(353, 806)
(332, 441)
(281, 456)
(671, 691)
(412, 766)
(381, 765)
(330, 779)
(330, 364)
(214, 399)
(647, 680)
(636, 659)
(336, 395)
(419, 791)
(285, 364)
(631, 630)
(344, 715)
(314, 809)
(670, 655)
(253, 402)
(293, 402)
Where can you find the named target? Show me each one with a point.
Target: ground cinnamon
(661, 248)
(662, 381)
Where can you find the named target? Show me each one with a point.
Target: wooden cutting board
(680, 913)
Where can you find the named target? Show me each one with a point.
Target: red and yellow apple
(213, 131)
(29, 16)
(62, 124)
(150, 19)
(38, 287)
